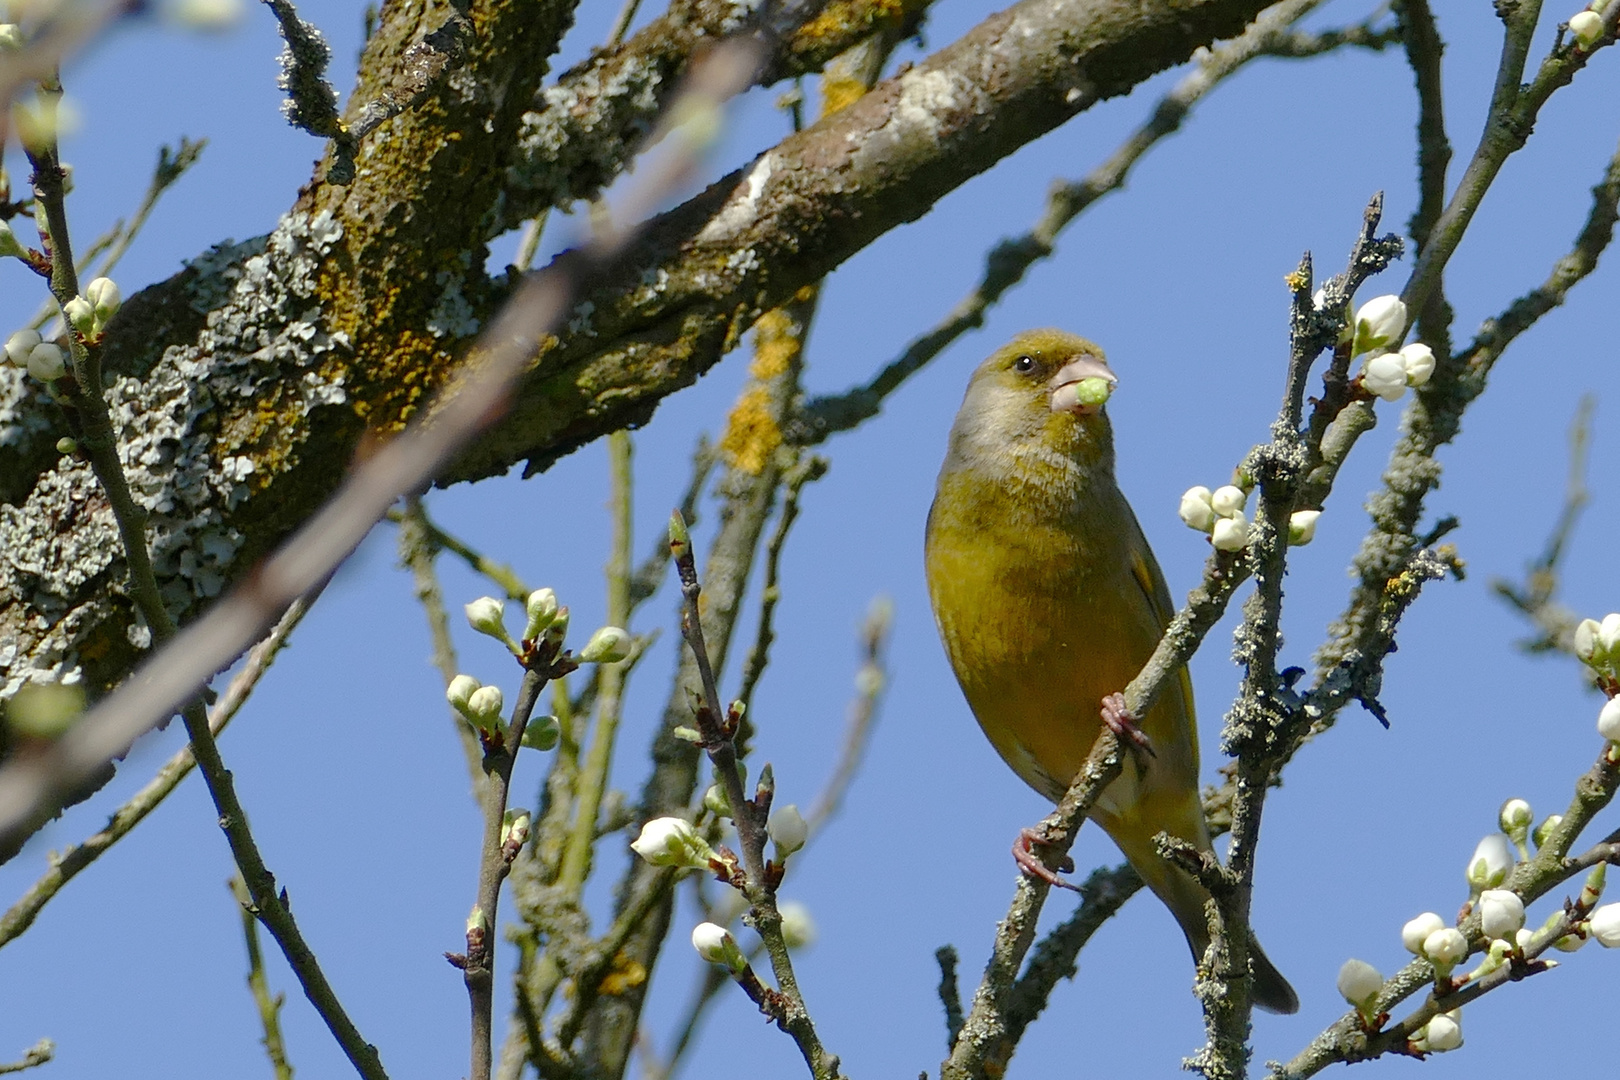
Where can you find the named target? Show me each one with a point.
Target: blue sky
(347, 764)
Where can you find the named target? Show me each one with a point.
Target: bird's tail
(1186, 898)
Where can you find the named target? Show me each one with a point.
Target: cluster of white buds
(44, 360)
(672, 841)
(89, 312)
(716, 945)
(1428, 936)
(1386, 371)
(1360, 983)
(1219, 514)
(1441, 1033)
(1586, 26)
(481, 705)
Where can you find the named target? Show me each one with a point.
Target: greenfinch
(1049, 600)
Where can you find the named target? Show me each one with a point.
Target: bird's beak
(1082, 385)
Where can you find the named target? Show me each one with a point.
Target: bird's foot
(1120, 721)
(1023, 852)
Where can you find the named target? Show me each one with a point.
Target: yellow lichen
(752, 434)
(627, 974)
(838, 92)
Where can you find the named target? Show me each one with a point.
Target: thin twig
(32, 1058)
(592, 781)
(268, 1004)
(419, 542)
(500, 573)
(1554, 622)
(68, 864)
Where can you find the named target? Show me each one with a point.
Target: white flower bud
(1608, 636)
(1515, 817)
(1302, 526)
(1416, 932)
(1228, 501)
(1501, 914)
(81, 313)
(541, 608)
(1384, 375)
(460, 691)
(1605, 925)
(788, 829)
(1587, 27)
(484, 707)
(1359, 983)
(1586, 632)
(1492, 860)
(717, 946)
(1523, 938)
(608, 645)
(1197, 513)
(47, 362)
(1380, 322)
(1445, 949)
(1442, 1033)
(1608, 724)
(1230, 534)
(487, 615)
(11, 37)
(20, 344)
(1419, 361)
(103, 294)
(672, 841)
(798, 928)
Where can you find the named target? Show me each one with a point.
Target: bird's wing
(1147, 575)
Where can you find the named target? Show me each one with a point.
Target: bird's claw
(1023, 852)
(1118, 717)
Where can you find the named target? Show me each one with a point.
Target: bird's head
(1039, 398)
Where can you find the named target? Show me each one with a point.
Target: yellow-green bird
(1048, 600)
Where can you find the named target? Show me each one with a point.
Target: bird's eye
(1024, 365)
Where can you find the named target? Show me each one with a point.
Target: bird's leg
(1120, 721)
(1023, 852)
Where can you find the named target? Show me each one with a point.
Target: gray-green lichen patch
(582, 133)
(21, 418)
(453, 315)
(186, 467)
